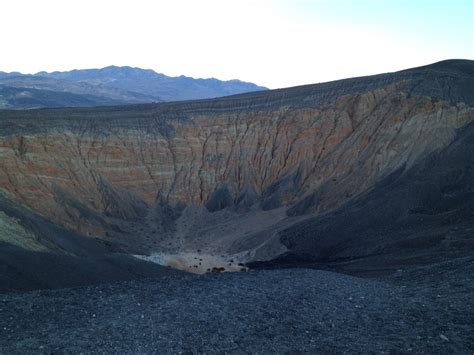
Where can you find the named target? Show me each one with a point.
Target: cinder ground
(424, 310)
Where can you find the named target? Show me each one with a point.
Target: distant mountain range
(109, 86)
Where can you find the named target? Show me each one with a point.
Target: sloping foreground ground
(425, 310)
(37, 254)
(23, 270)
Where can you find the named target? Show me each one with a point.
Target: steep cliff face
(178, 175)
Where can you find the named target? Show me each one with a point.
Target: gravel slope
(257, 311)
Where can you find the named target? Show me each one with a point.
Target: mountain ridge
(111, 85)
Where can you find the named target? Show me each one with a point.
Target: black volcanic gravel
(259, 311)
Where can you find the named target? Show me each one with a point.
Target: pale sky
(275, 43)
